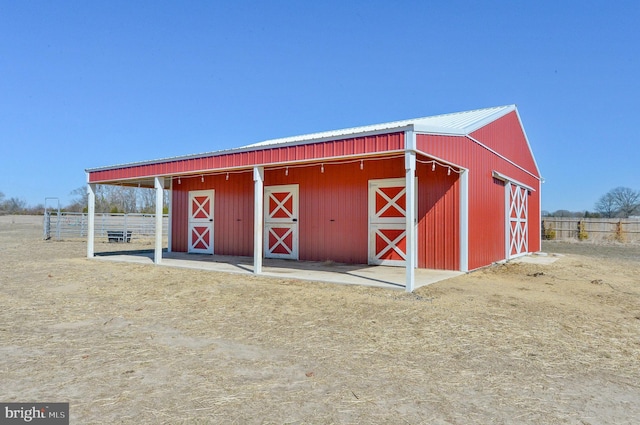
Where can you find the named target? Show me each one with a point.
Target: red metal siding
(505, 136)
(438, 218)
(354, 146)
(486, 194)
(333, 222)
(233, 212)
(333, 214)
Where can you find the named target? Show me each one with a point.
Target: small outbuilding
(457, 191)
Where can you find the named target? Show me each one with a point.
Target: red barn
(455, 192)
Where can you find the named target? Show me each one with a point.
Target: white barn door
(517, 210)
(387, 222)
(281, 221)
(201, 221)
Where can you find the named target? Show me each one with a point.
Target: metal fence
(596, 229)
(68, 225)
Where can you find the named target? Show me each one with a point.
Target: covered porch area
(345, 274)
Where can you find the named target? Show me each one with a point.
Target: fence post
(47, 225)
(58, 224)
(619, 232)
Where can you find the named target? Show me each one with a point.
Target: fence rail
(68, 225)
(597, 229)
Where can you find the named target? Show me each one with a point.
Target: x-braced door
(281, 221)
(387, 222)
(517, 213)
(201, 221)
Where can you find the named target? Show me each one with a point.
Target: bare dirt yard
(130, 343)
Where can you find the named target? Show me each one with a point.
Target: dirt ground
(141, 344)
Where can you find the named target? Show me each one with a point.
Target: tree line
(621, 202)
(109, 199)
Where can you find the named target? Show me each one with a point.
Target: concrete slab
(377, 276)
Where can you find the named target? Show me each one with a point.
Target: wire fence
(69, 225)
(596, 229)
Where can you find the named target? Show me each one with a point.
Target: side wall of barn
(333, 210)
(486, 193)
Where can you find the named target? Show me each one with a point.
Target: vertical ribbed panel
(233, 214)
(438, 218)
(333, 222)
(505, 136)
(333, 218)
(264, 155)
(486, 194)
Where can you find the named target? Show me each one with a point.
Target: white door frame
(205, 222)
(289, 223)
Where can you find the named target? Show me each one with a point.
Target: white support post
(410, 194)
(539, 213)
(91, 217)
(169, 225)
(258, 219)
(159, 185)
(464, 221)
(507, 224)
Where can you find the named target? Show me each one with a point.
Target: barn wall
(233, 212)
(333, 221)
(486, 194)
(333, 214)
(505, 136)
(438, 218)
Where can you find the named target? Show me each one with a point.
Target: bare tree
(117, 199)
(619, 202)
(14, 205)
(627, 200)
(147, 200)
(79, 201)
(606, 206)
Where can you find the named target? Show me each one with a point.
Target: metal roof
(459, 123)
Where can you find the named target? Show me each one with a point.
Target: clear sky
(92, 83)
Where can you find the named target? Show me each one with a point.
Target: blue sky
(86, 84)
